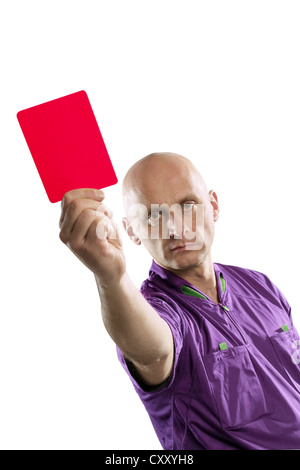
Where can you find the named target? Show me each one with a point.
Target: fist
(88, 229)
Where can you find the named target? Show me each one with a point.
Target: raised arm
(88, 229)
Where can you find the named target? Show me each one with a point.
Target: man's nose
(175, 225)
(180, 226)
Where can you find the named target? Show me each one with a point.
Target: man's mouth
(178, 248)
(187, 246)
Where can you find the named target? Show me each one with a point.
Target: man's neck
(202, 277)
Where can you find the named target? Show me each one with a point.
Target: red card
(66, 145)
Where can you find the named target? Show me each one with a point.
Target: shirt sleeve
(168, 312)
(286, 306)
(281, 300)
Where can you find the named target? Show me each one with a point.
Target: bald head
(154, 174)
(166, 199)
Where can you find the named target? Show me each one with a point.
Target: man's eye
(154, 216)
(188, 206)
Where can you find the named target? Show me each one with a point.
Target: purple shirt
(236, 377)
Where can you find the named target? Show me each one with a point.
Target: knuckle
(62, 236)
(74, 205)
(66, 200)
(87, 212)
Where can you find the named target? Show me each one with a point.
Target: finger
(82, 193)
(103, 209)
(100, 230)
(113, 232)
(75, 208)
(81, 228)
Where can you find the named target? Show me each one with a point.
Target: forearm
(141, 334)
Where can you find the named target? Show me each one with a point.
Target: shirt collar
(175, 280)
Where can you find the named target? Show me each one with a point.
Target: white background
(216, 81)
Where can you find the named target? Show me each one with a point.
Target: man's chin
(186, 258)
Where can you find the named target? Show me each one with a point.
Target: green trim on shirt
(223, 283)
(190, 291)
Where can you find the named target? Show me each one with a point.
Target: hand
(88, 229)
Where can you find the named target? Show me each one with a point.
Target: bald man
(210, 349)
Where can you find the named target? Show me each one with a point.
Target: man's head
(167, 180)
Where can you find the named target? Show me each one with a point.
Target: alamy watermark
(296, 355)
(181, 221)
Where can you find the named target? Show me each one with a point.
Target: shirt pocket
(287, 348)
(235, 386)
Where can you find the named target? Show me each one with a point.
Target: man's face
(171, 213)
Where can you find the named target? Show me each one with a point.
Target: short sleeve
(279, 295)
(281, 299)
(284, 302)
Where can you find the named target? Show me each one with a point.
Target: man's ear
(129, 230)
(215, 204)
